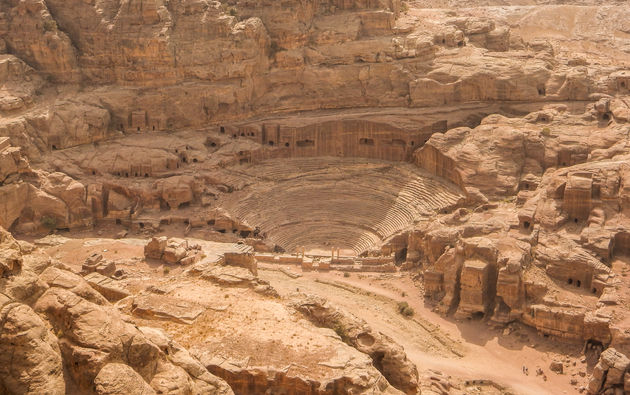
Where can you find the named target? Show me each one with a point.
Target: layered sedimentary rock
(36, 199)
(611, 372)
(255, 58)
(484, 147)
(526, 264)
(69, 338)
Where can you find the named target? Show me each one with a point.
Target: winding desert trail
(467, 350)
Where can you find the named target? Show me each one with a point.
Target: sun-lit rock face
(71, 339)
(467, 159)
(168, 65)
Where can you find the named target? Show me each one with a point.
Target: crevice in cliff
(492, 289)
(452, 308)
(64, 29)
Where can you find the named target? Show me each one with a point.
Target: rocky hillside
(478, 150)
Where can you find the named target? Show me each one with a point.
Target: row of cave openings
(211, 222)
(138, 128)
(183, 158)
(365, 141)
(527, 224)
(578, 284)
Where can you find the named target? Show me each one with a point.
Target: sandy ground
(470, 350)
(465, 350)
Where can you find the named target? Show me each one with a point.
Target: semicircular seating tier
(324, 202)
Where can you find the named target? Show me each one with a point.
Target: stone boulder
(96, 263)
(609, 372)
(175, 251)
(30, 359)
(155, 248)
(120, 379)
(172, 250)
(57, 277)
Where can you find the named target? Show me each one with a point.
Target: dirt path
(466, 350)
(470, 350)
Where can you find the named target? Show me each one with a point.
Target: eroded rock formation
(482, 148)
(387, 356)
(60, 335)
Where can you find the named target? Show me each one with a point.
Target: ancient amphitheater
(314, 197)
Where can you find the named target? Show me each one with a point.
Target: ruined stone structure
(476, 150)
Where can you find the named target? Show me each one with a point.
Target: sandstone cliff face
(176, 41)
(26, 337)
(563, 237)
(18, 83)
(520, 152)
(168, 65)
(210, 116)
(31, 32)
(611, 372)
(37, 200)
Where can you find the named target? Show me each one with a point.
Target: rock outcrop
(610, 373)
(172, 251)
(387, 356)
(483, 148)
(31, 358)
(59, 334)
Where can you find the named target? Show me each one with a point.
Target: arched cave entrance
(477, 316)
